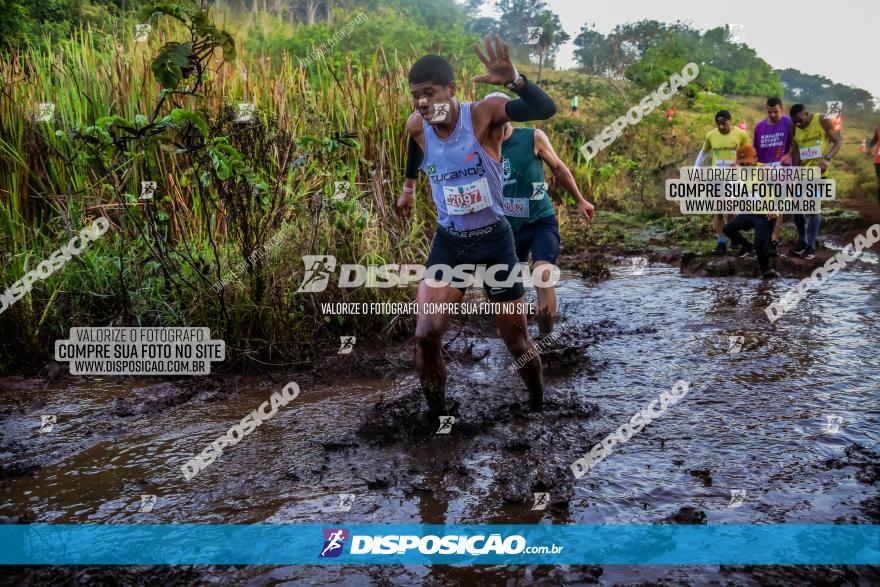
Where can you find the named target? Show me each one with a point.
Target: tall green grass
(48, 191)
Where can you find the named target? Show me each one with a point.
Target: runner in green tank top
(530, 212)
(810, 147)
(525, 191)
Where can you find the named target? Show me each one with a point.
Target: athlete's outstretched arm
(544, 150)
(533, 102)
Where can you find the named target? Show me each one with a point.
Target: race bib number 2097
(467, 198)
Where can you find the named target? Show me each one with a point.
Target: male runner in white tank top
(462, 158)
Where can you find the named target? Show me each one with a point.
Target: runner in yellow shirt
(720, 146)
(813, 133)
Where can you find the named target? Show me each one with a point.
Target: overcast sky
(840, 39)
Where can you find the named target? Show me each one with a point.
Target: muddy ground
(755, 420)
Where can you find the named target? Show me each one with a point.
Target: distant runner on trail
(721, 144)
(812, 134)
(528, 208)
(772, 140)
(875, 144)
(574, 105)
(462, 158)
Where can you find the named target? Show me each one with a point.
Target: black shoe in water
(773, 249)
(809, 254)
(799, 250)
(769, 274)
(745, 250)
(720, 249)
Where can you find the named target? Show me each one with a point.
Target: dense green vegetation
(166, 110)
(647, 52)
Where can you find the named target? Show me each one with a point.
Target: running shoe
(800, 249)
(720, 249)
(745, 250)
(809, 254)
(769, 274)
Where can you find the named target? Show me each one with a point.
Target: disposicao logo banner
(288, 544)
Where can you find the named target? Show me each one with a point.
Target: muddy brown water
(761, 420)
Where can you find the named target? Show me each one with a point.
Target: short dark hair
(431, 68)
(723, 115)
(796, 109)
(774, 101)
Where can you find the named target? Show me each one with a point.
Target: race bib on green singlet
(468, 198)
(811, 152)
(516, 207)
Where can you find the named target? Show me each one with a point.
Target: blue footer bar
(417, 544)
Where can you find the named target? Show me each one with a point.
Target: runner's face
(426, 94)
(774, 114)
(723, 126)
(801, 119)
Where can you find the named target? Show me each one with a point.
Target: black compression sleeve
(533, 104)
(414, 157)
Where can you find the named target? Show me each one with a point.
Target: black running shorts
(541, 238)
(492, 245)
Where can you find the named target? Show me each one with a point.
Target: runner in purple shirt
(772, 141)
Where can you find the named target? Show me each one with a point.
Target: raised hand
(499, 69)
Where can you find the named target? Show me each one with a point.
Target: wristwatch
(828, 157)
(512, 86)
